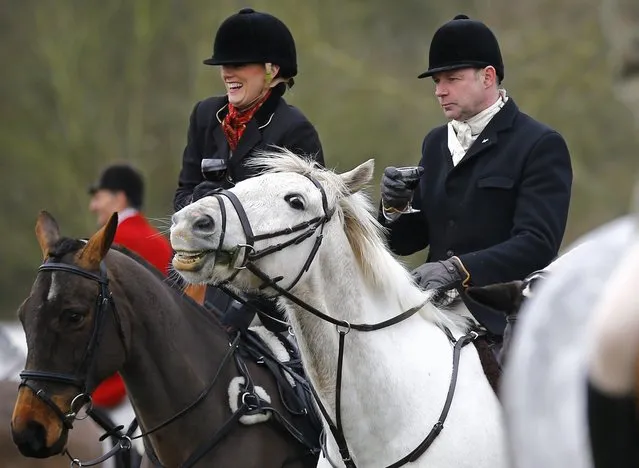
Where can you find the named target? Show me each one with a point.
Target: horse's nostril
(204, 223)
(32, 440)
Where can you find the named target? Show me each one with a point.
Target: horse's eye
(295, 201)
(72, 317)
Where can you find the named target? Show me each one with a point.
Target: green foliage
(89, 83)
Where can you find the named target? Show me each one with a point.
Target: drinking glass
(411, 184)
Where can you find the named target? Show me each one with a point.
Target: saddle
(280, 356)
(278, 352)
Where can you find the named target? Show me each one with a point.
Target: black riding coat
(502, 210)
(274, 123)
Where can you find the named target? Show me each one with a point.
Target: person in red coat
(120, 189)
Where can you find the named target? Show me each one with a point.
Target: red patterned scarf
(235, 121)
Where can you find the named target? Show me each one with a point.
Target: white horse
(316, 237)
(581, 327)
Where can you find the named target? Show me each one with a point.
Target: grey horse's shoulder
(544, 384)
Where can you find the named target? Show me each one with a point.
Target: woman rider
(257, 58)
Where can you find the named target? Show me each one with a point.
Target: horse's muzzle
(32, 441)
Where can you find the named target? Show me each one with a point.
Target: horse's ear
(358, 178)
(502, 297)
(47, 232)
(98, 246)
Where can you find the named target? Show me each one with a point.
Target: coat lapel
(252, 135)
(220, 150)
(446, 153)
(503, 120)
(250, 138)
(221, 143)
(485, 140)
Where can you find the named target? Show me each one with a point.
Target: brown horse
(83, 442)
(175, 358)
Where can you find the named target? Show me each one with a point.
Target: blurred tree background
(87, 83)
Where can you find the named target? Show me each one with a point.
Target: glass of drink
(410, 177)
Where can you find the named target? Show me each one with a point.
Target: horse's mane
(365, 234)
(64, 246)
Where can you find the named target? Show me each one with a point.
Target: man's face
(461, 93)
(104, 203)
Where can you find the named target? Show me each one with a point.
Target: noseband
(243, 255)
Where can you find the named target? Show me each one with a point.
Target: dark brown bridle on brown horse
(93, 311)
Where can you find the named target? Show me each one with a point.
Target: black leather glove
(204, 189)
(397, 187)
(445, 274)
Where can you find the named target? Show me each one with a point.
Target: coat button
(450, 253)
(451, 223)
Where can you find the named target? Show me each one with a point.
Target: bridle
(80, 377)
(243, 257)
(80, 380)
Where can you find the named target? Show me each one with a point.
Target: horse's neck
(394, 380)
(342, 292)
(173, 353)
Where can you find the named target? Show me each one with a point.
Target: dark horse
(176, 360)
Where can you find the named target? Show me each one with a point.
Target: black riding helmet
(254, 37)
(463, 43)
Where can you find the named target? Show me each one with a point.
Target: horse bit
(309, 228)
